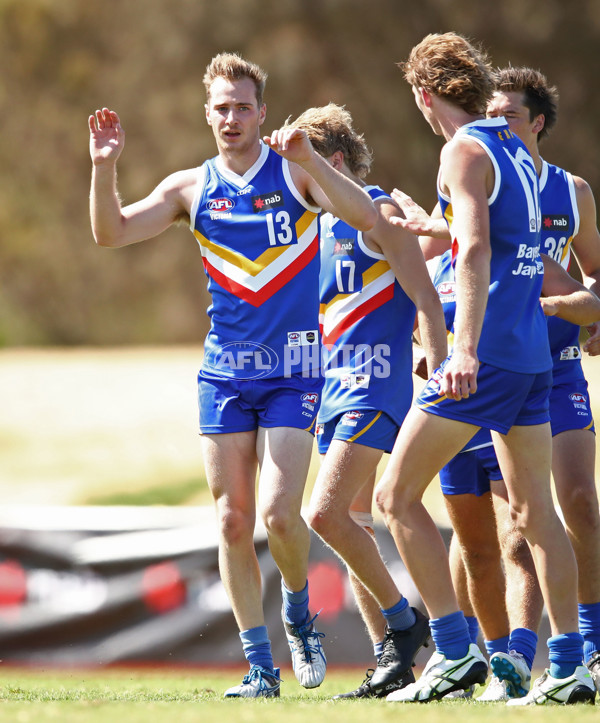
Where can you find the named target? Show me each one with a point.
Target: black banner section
(100, 585)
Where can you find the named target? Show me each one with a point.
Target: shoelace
(304, 634)
(257, 672)
(388, 650)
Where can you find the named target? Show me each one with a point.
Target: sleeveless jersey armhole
(198, 192)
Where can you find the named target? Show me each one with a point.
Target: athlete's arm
(320, 182)
(565, 297)
(113, 225)
(466, 176)
(401, 250)
(586, 246)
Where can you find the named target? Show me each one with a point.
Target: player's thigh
(573, 469)
(472, 519)
(230, 463)
(284, 455)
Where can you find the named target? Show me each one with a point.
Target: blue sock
(589, 627)
(295, 605)
(566, 653)
(499, 645)
(524, 641)
(257, 647)
(473, 625)
(451, 635)
(378, 649)
(400, 616)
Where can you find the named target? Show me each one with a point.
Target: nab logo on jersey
(344, 247)
(267, 201)
(220, 205)
(550, 223)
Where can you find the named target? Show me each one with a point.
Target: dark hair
(538, 96)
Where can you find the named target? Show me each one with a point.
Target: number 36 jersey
(560, 224)
(259, 240)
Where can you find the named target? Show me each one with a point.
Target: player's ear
(337, 160)
(207, 111)
(425, 97)
(539, 123)
(262, 114)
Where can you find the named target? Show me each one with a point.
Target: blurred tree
(146, 58)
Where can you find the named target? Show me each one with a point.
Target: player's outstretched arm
(565, 297)
(320, 182)
(113, 225)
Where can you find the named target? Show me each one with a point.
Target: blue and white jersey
(514, 336)
(560, 224)
(366, 321)
(259, 240)
(441, 272)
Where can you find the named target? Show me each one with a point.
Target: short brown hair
(539, 96)
(330, 129)
(453, 68)
(232, 66)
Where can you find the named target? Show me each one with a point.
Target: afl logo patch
(220, 204)
(445, 288)
(578, 398)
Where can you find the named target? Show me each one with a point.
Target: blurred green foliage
(61, 59)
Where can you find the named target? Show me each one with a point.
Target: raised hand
(291, 143)
(107, 138)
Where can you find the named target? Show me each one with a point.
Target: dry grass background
(79, 424)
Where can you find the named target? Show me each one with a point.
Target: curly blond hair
(451, 67)
(330, 129)
(232, 66)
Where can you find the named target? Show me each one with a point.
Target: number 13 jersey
(259, 240)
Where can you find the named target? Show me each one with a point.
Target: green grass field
(194, 695)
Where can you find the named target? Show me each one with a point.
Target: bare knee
(279, 521)
(512, 539)
(581, 512)
(235, 525)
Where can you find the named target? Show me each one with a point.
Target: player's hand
(549, 305)
(291, 143)
(416, 219)
(592, 345)
(459, 377)
(107, 138)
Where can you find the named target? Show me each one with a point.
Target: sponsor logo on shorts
(579, 400)
(242, 360)
(350, 419)
(266, 201)
(309, 400)
(569, 353)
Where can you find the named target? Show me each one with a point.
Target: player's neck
(240, 160)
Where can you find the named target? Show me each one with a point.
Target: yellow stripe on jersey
(304, 222)
(375, 271)
(253, 268)
(250, 267)
(449, 215)
(369, 425)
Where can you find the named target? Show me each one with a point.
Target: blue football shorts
(233, 405)
(570, 407)
(503, 399)
(370, 427)
(470, 472)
